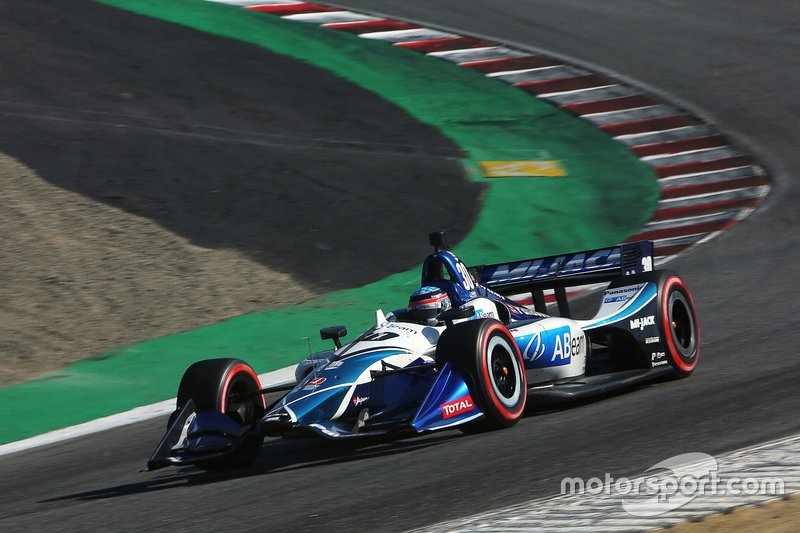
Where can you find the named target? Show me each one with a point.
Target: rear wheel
(676, 319)
(225, 386)
(486, 353)
(678, 325)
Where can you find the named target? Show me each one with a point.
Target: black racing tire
(676, 319)
(217, 385)
(677, 323)
(486, 353)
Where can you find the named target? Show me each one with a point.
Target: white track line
(405, 36)
(474, 55)
(139, 414)
(585, 96)
(635, 114)
(540, 74)
(656, 137)
(331, 17)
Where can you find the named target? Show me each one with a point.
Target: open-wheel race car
(462, 354)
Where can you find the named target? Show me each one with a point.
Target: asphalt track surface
(738, 62)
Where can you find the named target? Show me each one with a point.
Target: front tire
(226, 386)
(486, 353)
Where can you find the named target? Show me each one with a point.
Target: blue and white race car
(462, 354)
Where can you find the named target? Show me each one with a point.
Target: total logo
(457, 407)
(643, 322)
(358, 400)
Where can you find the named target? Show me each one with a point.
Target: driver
(427, 303)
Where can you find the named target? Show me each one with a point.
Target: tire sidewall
(494, 336)
(467, 347)
(674, 295)
(210, 381)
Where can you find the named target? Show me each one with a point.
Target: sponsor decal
(457, 407)
(620, 295)
(558, 350)
(550, 266)
(522, 169)
(623, 290)
(325, 430)
(577, 342)
(643, 322)
(334, 364)
(313, 383)
(535, 348)
(383, 336)
(394, 325)
(358, 400)
(658, 359)
(652, 340)
(485, 314)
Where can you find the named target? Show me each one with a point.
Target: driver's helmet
(427, 303)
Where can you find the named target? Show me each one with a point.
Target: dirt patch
(775, 517)
(81, 277)
(225, 143)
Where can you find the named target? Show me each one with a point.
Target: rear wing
(560, 271)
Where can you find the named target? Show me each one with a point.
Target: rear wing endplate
(560, 271)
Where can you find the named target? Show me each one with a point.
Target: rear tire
(677, 323)
(218, 385)
(486, 353)
(676, 319)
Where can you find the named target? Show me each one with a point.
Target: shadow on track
(278, 455)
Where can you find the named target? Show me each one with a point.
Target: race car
(463, 354)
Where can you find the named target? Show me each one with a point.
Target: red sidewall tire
(211, 383)
(219, 385)
(513, 413)
(485, 352)
(677, 309)
(233, 374)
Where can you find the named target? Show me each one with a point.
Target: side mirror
(457, 314)
(335, 333)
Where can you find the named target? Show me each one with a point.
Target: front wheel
(225, 386)
(486, 353)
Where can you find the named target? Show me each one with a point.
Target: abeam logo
(641, 323)
(457, 406)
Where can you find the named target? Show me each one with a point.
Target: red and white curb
(707, 184)
(774, 460)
